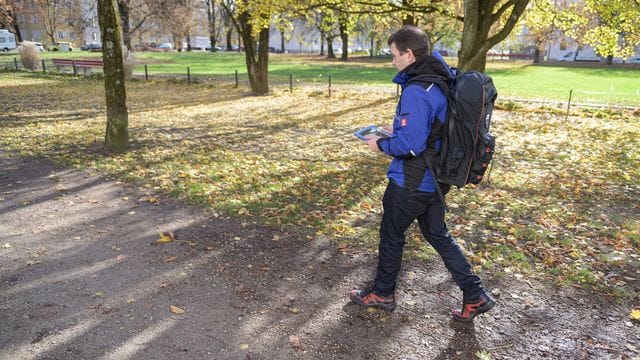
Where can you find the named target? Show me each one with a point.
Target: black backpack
(467, 146)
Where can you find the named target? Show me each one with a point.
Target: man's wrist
(378, 143)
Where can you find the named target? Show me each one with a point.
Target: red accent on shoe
(472, 309)
(368, 298)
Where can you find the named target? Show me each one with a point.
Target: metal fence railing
(575, 98)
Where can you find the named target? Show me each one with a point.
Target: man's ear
(412, 55)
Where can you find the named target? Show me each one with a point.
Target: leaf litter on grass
(560, 201)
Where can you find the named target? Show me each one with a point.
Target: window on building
(60, 35)
(24, 34)
(94, 36)
(37, 34)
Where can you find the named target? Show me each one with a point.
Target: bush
(29, 55)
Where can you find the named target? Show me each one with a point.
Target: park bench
(77, 64)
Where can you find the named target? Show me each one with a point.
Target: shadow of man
(463, 344)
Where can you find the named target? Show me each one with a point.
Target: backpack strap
(430, 152)
(428, 157)
(431, 79)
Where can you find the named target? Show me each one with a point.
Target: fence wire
(575, 98)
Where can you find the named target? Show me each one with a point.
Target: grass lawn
(561, 203)
(520, 80)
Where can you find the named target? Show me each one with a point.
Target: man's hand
(372, 142)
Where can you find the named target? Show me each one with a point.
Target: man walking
(411, 192)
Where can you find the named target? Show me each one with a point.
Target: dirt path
(82, 277)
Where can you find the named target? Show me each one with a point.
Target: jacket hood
(431, 65)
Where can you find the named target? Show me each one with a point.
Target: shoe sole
(388, 307)
(481, 310)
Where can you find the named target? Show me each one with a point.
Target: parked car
(7, 40)
(93, 47)
(165, 47)
(634, 60)
(39, 46)
(567, 57)
(61, 46)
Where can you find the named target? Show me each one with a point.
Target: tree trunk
(123, 9)
(536, 56)
(372, 47)
(479, 17)
(407, 19)
(228, 38)
(211, 15)
(609, 59)
(117, 135)
(17, 28)
(344, 37)
(13, 23)
(282, 41)
(321, 43)
(188, 43)
(256, 62)
(330, 53)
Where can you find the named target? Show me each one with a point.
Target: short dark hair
(411, 37)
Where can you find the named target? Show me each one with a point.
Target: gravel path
(82, 276)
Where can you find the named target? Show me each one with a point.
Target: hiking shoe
(472, 309)
(367, 298)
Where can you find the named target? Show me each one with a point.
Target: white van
(7, 40)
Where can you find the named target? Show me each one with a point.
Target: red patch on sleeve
(403, 122)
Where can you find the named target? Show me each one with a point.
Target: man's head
(408, 44)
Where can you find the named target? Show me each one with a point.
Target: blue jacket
(422, 109)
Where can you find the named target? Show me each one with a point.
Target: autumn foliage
(560, 202)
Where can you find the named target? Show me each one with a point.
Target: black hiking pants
(401, 207)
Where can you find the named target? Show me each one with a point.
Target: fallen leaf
(165, 237)
(121, 258)
(164, 285)
(6, 245)
(635, 314)
(176, 310)
(244, 346)
(276, 237)
(295, 342)
(98, 294)
(169, 259)
(295, 310)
